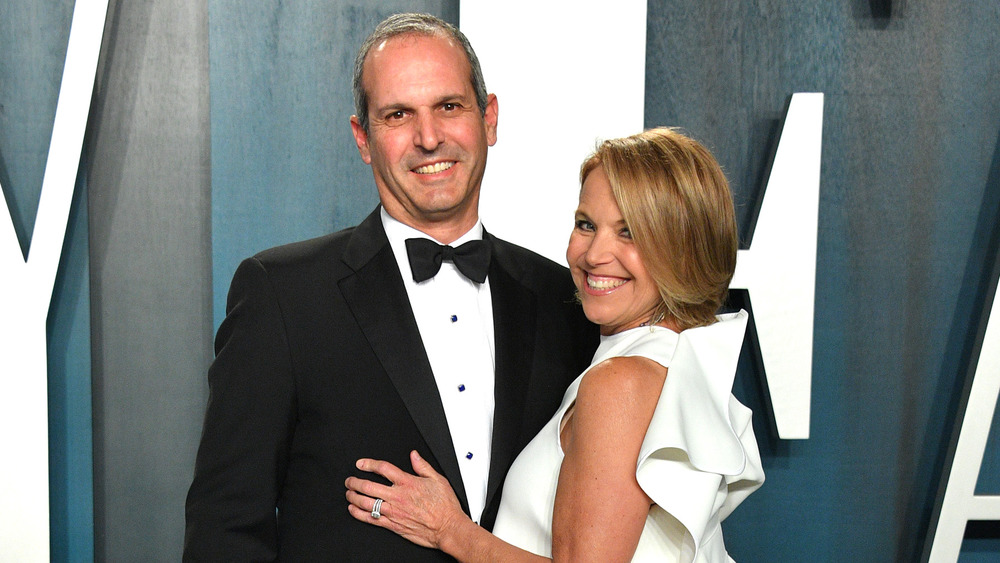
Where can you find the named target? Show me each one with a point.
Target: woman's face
(616, 290)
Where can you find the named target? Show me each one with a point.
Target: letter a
(957, 501)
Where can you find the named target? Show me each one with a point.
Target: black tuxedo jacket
(319, 363)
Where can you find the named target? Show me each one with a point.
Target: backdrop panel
(910, 129)
(71, 454)
(150, 273)
(33, 38)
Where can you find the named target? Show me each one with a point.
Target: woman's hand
(422, 508)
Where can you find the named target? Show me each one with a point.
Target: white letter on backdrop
(960, 503)
(25, 294)
(779, 269)
(542, 60)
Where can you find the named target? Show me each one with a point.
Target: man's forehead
(412, 51)
(405, 40)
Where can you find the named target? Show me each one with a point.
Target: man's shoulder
(531, 267)
(318, 249)
(298, 267)
(351, 245)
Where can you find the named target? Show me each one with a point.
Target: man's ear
(361, 139)
(490, 116)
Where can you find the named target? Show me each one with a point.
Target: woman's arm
(600, 510)
(423, 509)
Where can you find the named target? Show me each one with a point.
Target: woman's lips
(604, 284)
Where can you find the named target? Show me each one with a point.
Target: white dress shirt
(455, 319)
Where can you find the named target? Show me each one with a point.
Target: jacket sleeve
(243, 455)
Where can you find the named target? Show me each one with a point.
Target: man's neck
(445, 231)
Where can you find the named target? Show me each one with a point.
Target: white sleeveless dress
(698, 461)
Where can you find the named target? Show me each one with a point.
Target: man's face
(427, 139)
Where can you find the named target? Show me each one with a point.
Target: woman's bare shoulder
(624, 388)
(623, 375)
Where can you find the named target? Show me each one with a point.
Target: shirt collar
(398, 232)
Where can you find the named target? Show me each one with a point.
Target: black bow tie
(425, 256)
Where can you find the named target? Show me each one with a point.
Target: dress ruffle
(699, 458)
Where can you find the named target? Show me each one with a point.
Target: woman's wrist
(457, 536)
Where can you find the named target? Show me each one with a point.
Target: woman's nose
(599, 251)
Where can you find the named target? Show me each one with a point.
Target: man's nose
(428, 133)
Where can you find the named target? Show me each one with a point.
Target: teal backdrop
(220, 128)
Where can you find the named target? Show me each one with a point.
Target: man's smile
(434, 168)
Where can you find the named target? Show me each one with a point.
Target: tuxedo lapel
(378, 300)
(514, 312)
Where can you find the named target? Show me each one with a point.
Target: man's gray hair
(418, 24)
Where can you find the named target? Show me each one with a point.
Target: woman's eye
(626, 233)
(584, 225)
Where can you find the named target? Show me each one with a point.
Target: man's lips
(434, 168)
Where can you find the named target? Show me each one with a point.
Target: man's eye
(449, 106)
(398, 114)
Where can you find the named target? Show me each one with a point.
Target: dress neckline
(611, 341)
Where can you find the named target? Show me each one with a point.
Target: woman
(649, 450)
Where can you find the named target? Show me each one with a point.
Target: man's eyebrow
(452, 98)
(456, 97)
(392, 107)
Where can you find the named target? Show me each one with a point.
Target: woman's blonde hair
(677, 205)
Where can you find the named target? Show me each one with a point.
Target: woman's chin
(593, 316)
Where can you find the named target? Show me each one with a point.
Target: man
(337, 348)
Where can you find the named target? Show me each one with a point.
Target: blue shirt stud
(461, 387)
(454, 318)
(468, 455)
